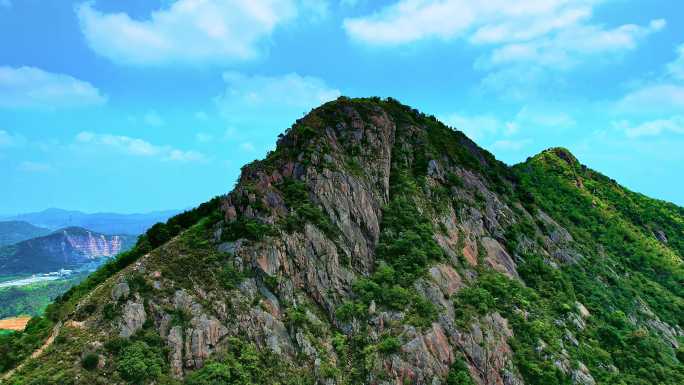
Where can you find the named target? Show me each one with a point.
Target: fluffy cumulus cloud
(188, 31)
(663, 96)
(30, 87)
(657, 98)
(569, 46)
(136, 147)
(674, 125)
(256, 97)
(549, 33)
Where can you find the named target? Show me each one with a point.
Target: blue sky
(128, 106)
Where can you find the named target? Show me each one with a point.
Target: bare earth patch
(14, 323)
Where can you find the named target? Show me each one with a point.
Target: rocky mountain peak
(376, 245)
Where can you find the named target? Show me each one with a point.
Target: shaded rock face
(348, 172)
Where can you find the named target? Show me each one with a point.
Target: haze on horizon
(123, 106)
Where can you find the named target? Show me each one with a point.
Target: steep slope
(64, 249)
(106, 223)
(17, 231)
(376, 245)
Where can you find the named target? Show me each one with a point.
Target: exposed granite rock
(498, 258)
(120, 291)
(448, 279)
(582, 376)
(133, 318)
(175, 343)
(201, 339)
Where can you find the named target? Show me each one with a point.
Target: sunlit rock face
(63, 249)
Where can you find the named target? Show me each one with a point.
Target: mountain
(63, 249)
(106, 223)
(17, 231)
(377, 246)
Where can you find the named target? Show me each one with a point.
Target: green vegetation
(140, 362)
(389, 345)
(14, 347)
(89, 361)
(244, 364)
(34, 298)
(302, 210)
(458, 374)
(624, 267)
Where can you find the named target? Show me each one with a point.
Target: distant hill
(17, 231)
(63, 249)
(106, 223)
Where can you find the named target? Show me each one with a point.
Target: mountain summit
(375, 245)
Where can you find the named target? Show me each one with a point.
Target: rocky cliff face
(376, 246)
(65, 248)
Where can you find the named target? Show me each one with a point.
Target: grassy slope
(624, 266)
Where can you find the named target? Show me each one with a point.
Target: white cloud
(137, 147)
(492, 21)
(255, 98)
(411, 20)
(30, 87)
(548, 34)
(153, 119)
(528, 25)
(676, 68)
(663, 96)
(29, 166)
(187, 31)
(568, 47)
(658, 98)
(674, 124)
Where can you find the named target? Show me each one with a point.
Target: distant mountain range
(17, 231)
(105, 223)
(67, 248)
